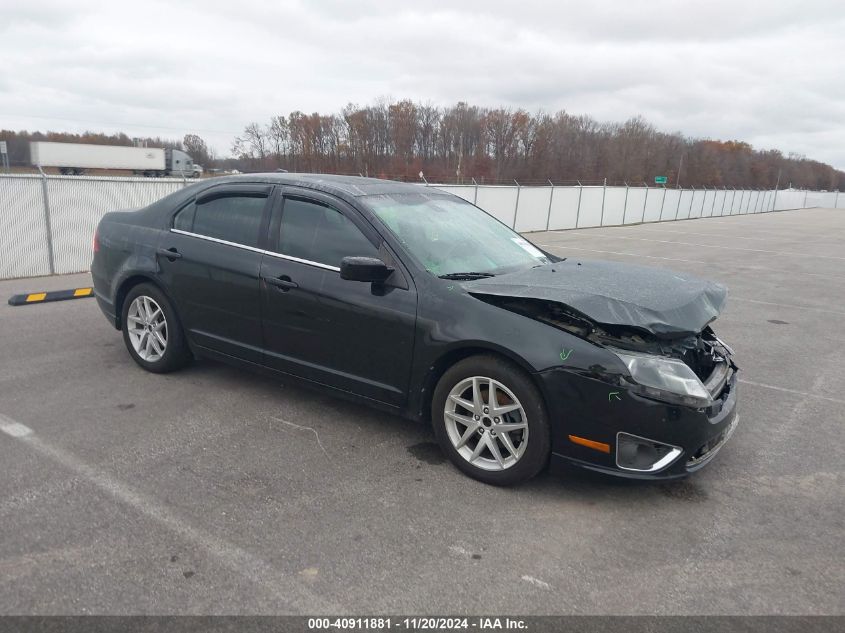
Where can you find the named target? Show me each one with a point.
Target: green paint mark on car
(613, 395)
(566, 353)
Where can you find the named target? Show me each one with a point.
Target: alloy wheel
(486, 423)
(147, 328)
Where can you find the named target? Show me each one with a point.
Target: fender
(140, 264)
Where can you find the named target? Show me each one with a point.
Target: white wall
(635, 205)
(23, 233)
(533, 209)
(500, 202)
(76, 204)
(565, 203)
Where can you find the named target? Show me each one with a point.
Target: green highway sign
(660, 180)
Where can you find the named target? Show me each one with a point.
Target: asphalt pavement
(215, 490)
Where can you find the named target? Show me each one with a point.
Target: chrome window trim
(218, 241)
(299, 260)
(290, 258)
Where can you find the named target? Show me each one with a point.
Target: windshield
(450, 236)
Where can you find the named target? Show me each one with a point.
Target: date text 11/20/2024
(417, 623)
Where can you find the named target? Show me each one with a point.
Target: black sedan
(415, 301)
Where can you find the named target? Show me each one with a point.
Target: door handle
(283, 283)
(170, 253)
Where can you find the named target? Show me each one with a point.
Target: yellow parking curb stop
(54, 295)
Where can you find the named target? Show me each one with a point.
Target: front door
(353, 336)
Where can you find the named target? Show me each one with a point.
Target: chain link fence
(47, 222)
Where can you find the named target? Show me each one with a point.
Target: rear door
(350, 335)
(210, 262)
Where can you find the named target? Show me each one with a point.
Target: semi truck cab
(179, 164)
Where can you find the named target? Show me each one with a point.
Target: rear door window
(233, 218)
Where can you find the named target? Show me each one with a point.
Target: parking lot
(213, 490)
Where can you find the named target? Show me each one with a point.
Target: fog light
(642, 454)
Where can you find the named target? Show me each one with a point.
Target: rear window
(235, 218)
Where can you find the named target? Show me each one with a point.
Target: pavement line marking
(12, 428)
(593, 250)
(730, 248)
(795, 391)
(536, 582)
(781, 214)
(648, 227)
(278, 585)
(788, 305)
(566, 245)
(718, 235)
(785, 228)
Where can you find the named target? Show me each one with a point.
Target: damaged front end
(647, 389)
(658, 406)
(690, 369)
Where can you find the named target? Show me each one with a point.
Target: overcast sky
(770, 73)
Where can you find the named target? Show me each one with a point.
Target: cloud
(767, 73)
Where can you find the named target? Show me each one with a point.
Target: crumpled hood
(666, 304)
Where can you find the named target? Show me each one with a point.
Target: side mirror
(364, 269)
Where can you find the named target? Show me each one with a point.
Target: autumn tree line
(499, 145)
(465, 143)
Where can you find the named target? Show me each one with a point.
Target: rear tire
(500, 440)
(152, 332)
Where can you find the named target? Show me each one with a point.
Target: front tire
(151, 330)
(490, 420)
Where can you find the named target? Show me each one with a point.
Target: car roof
(345, 186)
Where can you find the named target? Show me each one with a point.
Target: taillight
(97, 240)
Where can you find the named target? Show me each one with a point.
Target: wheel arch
(456, 354)
(126, 286)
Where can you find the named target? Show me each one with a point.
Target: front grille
(708, 451)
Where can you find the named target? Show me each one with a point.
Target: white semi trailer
(75, 158)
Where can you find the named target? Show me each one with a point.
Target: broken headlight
(666, 379)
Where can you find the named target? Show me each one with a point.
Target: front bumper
(587, 407)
